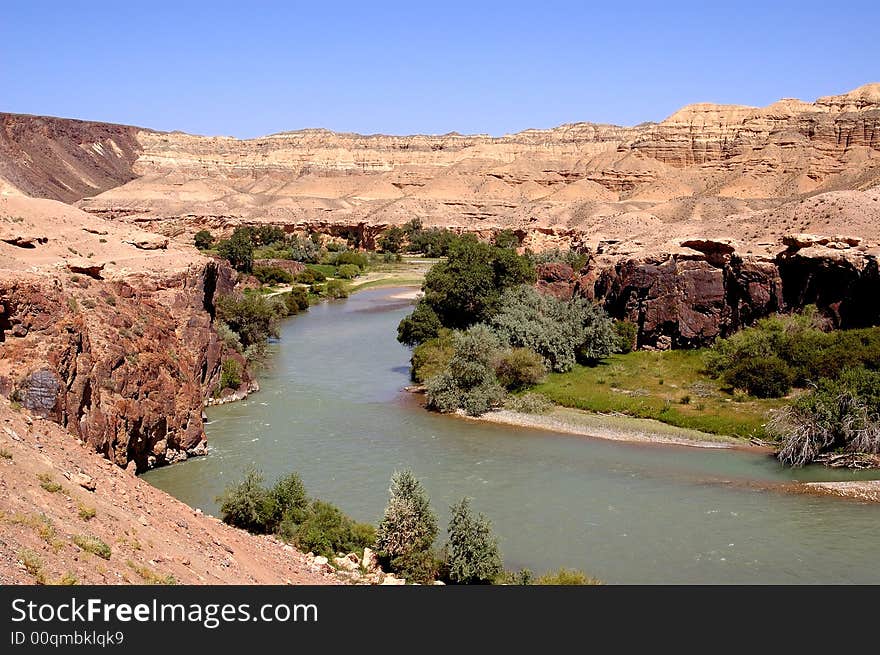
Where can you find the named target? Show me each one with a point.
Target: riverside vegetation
(404, 539)
(328, 269)
(484, 338)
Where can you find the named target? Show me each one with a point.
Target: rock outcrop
(117, 344)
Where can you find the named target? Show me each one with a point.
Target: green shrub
(473, 555)
(392, 240)
(297, 300)
(838, 415)
(306, 276)
(563, 332)
(252, 317)
(469, 381)
(522, 577)
(506, 239)
(228, 336)
(565, 576)
(348, 271)
(326, 530)
(272, 275)
(93, 545)
(528, 403)
(352, 257)
(230, 374)
(768, 377)
(408, 524)
(422, 567)
(247, 504)
(519, 368)
(626, 335)
(432, 356)
(203, 239)
(336, 289)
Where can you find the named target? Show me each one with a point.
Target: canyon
(694, 226)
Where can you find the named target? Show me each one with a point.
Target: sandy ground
(613, 428)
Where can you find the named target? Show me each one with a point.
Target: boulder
(85, 267)
(370, 561)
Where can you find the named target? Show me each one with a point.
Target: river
(331, 408)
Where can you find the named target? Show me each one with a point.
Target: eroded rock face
(679, 300)
(125, 365)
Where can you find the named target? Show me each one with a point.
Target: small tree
(203, 239)
(392, 240)
(474, 557)
(408, 524)
(238, 250)
(519, 368)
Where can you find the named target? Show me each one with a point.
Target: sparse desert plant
(66, 580)
(86, 513)
(92, 544)
(149, 576)
(528, 403)
(565, 576)
(33, 564)
(5, 454)
(47, 483)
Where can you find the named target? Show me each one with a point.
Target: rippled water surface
(331, 408)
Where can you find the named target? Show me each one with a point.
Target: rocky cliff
(107, 331)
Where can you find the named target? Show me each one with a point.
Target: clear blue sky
(253, 68)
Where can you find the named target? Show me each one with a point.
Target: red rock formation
(125, 365)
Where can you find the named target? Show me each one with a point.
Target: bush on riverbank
(794, 350)
(286, 510)
(251, 316)
(838, 415)
(272, 275)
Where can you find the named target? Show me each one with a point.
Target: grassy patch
(327, 269)
(86, 513)
(68, 579)
(668, 386)
(149, 576)
(33, 564)
(39, 523)
(93, 545)
(47, 483)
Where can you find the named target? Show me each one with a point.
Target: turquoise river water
(332, 408)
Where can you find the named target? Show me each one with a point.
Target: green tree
(238, 250)
(203, 239)
(473, 555)
(422, 324)
(506, 239)
(408, 524)
(392, 240)
(466, 288)
(251, 316)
